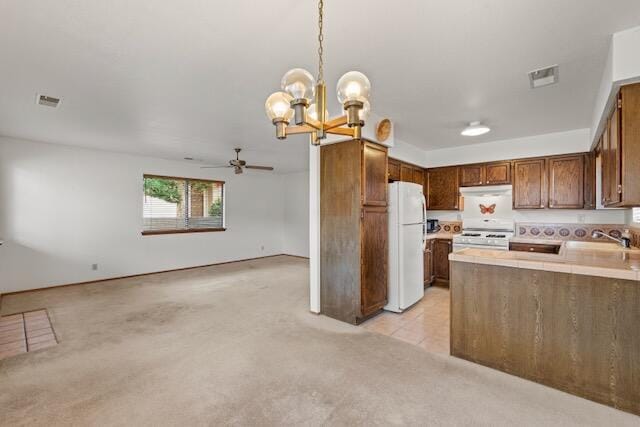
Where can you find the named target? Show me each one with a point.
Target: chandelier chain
(320, 40)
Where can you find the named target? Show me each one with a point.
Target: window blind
(636, 215)
(181, 204)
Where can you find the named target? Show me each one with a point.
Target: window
(181, 205)
(636, 215)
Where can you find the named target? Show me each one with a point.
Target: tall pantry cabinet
(353, 229)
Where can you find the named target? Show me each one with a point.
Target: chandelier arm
(343, 131)
(292, 130)
(335, 122)
(313, 123)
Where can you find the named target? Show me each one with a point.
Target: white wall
(574, 141)
(295, 233)
(622, 67)
(64, 208)
(408, 153)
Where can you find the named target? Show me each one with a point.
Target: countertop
(616, 263)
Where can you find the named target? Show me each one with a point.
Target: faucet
(625, 242)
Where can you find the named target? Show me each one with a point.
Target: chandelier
(303, 99)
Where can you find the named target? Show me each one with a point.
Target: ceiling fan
(238, 164)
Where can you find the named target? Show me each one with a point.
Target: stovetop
(484, 238)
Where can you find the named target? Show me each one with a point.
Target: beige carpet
(235, 344)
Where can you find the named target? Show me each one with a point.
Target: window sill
(192, 230)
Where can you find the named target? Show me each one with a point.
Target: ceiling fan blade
(214, 167)
(264, 168)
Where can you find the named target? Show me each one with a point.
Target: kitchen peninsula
(568, 320)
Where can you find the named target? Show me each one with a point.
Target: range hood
(486, 191)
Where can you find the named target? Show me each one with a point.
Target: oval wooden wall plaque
(383, 130)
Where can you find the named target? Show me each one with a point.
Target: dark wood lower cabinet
(429, 275)
(374, 249)
(572, 332)
(441, 250)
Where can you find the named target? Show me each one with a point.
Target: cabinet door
(374, 241)
(418, 176)
(428, 262)
(529, 184)
(374, 174)
(590, 180)
(443, 192)
(406, 172)
(566, 182)
(472, 175)
(394, 170)
(615, 159)
(441, 250)
(604, 166)
(498, 173)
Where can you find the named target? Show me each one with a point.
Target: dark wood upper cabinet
(443, 188)
(566, 182)
(394, 170)
(374, 174)
(529, 184)
(620, 151)
(441, 250)
(590, 180)
(406, 172)
(418, 175)
(498, 173)
(472, 175)
(604, 159)
(614, 161)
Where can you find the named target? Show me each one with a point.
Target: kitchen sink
(598, 246)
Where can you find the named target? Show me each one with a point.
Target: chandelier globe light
(303, 99)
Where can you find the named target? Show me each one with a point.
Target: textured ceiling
(189, 78)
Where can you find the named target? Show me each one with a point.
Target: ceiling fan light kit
(304, 99)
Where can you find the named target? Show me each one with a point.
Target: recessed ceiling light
(543, 77)
(47, 101)
(475, 129)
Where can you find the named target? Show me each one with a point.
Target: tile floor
(23, 332)
(426, 324)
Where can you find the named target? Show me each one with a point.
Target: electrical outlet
(94, 267)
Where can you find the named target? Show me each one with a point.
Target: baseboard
(109, 279)
(296, 256)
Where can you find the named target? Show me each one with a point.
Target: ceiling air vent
(543, 77)
(48, 101)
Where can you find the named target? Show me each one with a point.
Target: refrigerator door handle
(424, 224)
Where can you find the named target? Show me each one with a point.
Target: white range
(487, 218)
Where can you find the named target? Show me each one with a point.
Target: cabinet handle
(619, 189)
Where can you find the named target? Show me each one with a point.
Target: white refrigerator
(407, 239)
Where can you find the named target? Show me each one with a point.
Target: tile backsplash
(567, 231)
(450, 226)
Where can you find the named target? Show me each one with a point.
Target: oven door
(458, 246)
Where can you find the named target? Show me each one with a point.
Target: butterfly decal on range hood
(487, 209)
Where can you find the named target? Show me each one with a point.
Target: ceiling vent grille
(48, 101)
(543, 77)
